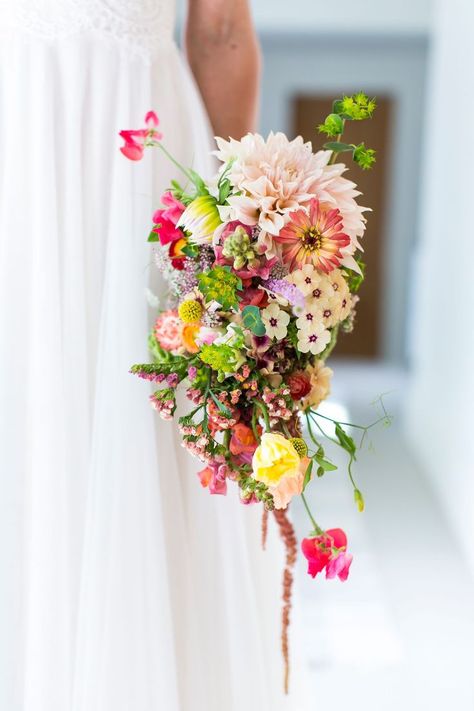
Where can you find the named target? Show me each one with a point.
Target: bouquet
(263, 264)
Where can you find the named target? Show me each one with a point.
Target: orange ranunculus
(188, 335)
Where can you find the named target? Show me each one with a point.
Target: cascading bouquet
(263, 265)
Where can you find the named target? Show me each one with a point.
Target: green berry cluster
(237, 246)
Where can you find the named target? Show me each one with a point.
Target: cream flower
(307, 279)
(310, 318)
(320, 378)
(275, 176)
(313, 341)
(342, 293)
(331, 311)
(276, 321)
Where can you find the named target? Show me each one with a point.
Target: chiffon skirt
(124, 584)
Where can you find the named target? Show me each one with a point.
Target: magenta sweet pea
(137, 140)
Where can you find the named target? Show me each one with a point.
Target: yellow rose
(274, 459)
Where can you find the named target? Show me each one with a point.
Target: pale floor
(399, 634)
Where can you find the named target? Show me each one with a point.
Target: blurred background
(400, 633)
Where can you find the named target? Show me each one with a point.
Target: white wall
(354, 16)
(440, 413)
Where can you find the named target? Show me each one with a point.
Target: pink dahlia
(313, 238)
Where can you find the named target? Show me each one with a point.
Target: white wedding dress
(124, 586)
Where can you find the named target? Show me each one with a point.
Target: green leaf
(190, 250)
(354, 280)
(307, 474)
(320, 472)
(198, 182)
(339, 147)
(224, 191)
(225, 410)
(153, 237)
(253, 321)
(325, 464)
(345, 440)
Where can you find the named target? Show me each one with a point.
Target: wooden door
(308, 112)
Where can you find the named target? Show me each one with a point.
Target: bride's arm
(224, 56)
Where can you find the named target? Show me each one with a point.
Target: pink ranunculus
(168, 327)
(328, 551)
(137, 140)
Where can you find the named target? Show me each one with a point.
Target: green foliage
(307, 474)
(346, 441)
(356, 107)
(354, 280)
(224, 185)
(201, 186)
(191, 250)
(252, 320)
(221, 358)
(332, 126)
(221, 285)
(292, 336)
(180, 193)
(158, 353)
(364, 157)
(338, 147)
(153, 236)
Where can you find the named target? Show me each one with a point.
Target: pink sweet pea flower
(339, 566)
(328, 551)
(173, 211)
(137, 140)
(165, 229)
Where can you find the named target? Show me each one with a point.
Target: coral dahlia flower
(315, 237)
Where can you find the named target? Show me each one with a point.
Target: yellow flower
(190, 311)
(274, 459)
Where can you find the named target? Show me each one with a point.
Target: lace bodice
(144, 25)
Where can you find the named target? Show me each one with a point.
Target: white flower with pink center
(312, 283)
(276, 321)
(313, 341)
(309, 318)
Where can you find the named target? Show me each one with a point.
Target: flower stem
(173, 160)
(264, 412)
(317, 528)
